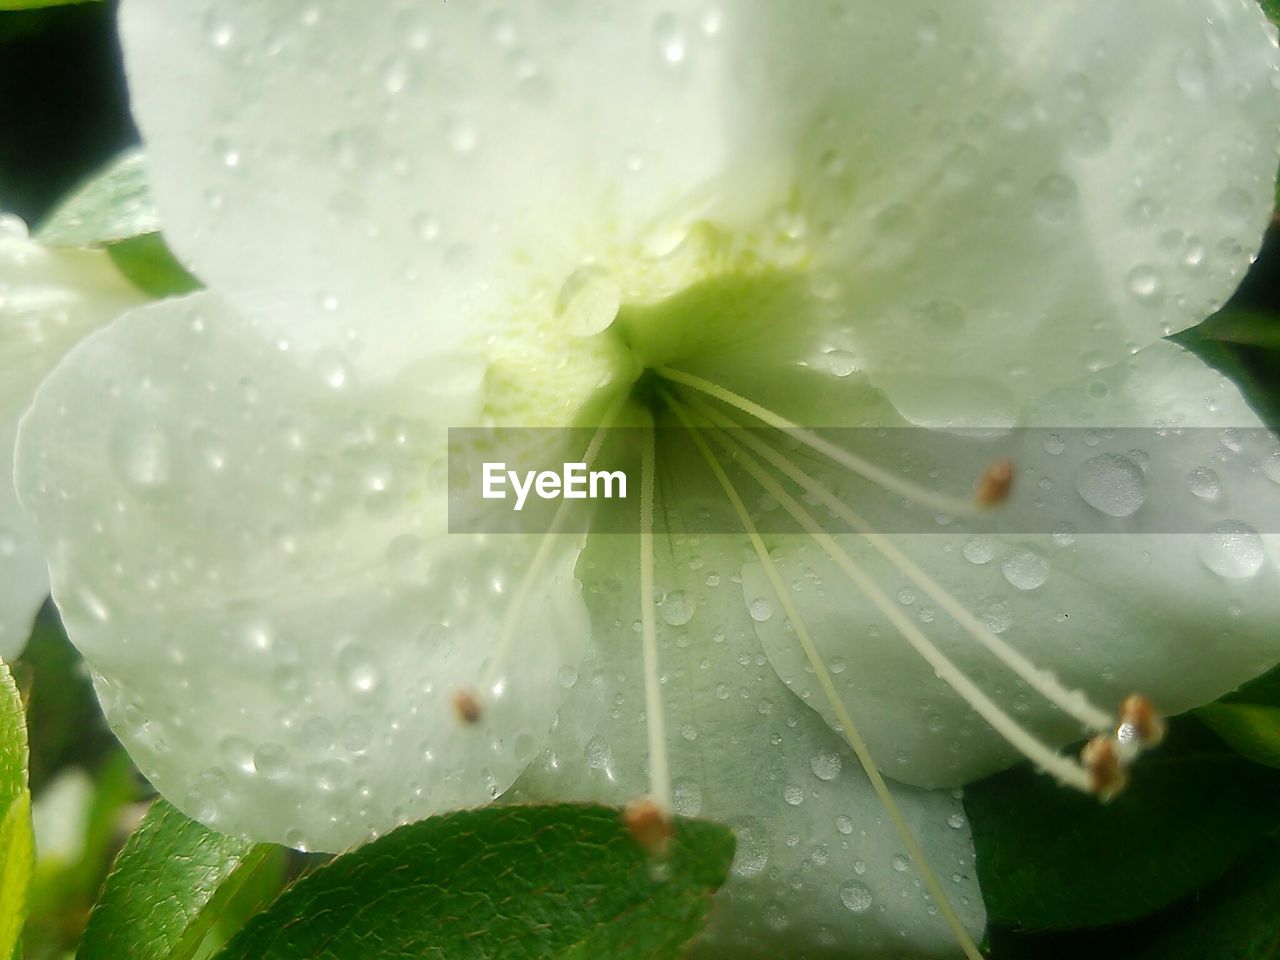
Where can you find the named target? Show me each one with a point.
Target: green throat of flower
(631, 346)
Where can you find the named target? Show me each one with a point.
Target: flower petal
(253, 560)
(381, 175)
(1010, 197)
(49, 299)
(1182, 617)
(818, 862)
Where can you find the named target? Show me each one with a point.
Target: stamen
(1072, 702)
(1061, 768)
(863, 468)
(995, 483)
(649, 825)
(533, 573)
(466, 706)
(1140, 721)
(1107, 770)
(850, 731)
(659, 770)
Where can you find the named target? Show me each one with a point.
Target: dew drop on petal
(686, 797)
(1144, 283)
(752, 854)
(676, 608)
(979, 550)
(588, 301)
(760, 609)
(1232, 550)
(1112, 485)
(825, 765)
(841, 363)
(1204, 483)
(844, 824)
(856, 896)
(1025, 569)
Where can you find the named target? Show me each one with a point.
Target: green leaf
(562, 881)
(17, 861)
(1051, 858)
(13, 742)
(17, 844)
(1253, 730)
(112, 205)
(1247, 327)
(156, 902)
(150, 265)
(6, 5)
(1234, 919)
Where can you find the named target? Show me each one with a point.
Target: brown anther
(995, 483)
(1139, 714)
(467, 706)
(1107, 776)
(648, 826)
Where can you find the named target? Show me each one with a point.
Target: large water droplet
(826, 765)
(589, 300)
(676, 608)
(1204, 483)
(760, 609)
(753, 850)
(1112, 485)
(856, 895)
(1026, 569)
(1232, 549)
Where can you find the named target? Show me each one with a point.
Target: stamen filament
(1072, 702)
(954, 506)
(1062, 768)
(854, 738)
(533, 573)
(659, 768)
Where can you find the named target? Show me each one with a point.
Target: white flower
(841, 214)
(49, 300)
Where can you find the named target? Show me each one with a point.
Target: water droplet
(841, 363)
(979, 550)
(955, 820)
(793, 794)
(598, 754)
(356, 669)
(462, 135)
(686, 797)
(856, 895)
(899, 863)
(825, 766)
(844, 824)
(271, 761)
(1204, 483)
(672, 46)
(753, 850)
(588, 301)
(1112, 485)
(1232, 549)
(1271, 466)
(1025, 569)
(760, 609)
(333, 368)
(676, 608)
(1144, 283)
(1054, 444)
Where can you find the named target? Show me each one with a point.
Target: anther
(1107, 776)
(467, 706)
(649, 826)
(1140, 721)
(995, 483)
